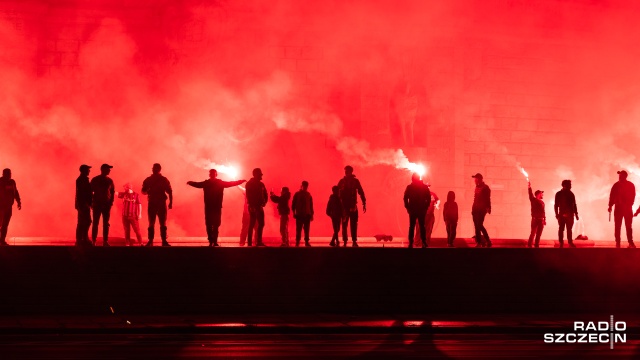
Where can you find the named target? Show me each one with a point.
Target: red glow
(301, 89)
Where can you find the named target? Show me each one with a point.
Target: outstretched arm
(228, 184)
(196, 184)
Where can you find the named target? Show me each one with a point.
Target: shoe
(572, 245)
(617, 245)
(345, 244)
(529, 246)
(332, 243)
(355, 244)
(166, 244)
(149, 243)
(260, 244)
(4, 243)
(478, 245)
(284, 245)
(410, 246)
(561, 245)
(632, 245)
(306, 244)
(449, 245)
(216, 244)
(489, 244)
(424, 246)
(105, 243)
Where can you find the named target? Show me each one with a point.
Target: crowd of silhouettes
(94, 199)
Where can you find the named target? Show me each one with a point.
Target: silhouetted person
(417, 198)
(302, 206)
(565, 209)
(8, 195)
(480, 208)
(213, 194)
(103, 196)
(334, 211)
(158, 188)
(283, 211)
(257, 198)
(131, 213)
(450, 216)
(538, 216)
(623, 194)
(244, 230)
(84, 199)
(430, 217)
(350, 188)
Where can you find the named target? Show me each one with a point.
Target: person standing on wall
(302, 205)
(103, 196)
(83, 201)
(417, 199)
(450, 216)
(8, 195)
(565, 209)
(257, 198)
(334, 211)
(283, 211)
(538, 216)
(623, 194)
(350, 188)
(158, 189)
(213, 193)
(479, 210)
(131, 214)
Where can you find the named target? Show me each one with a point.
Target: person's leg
(447, 226)
(96, 223)
(260, 227)
(454, 227)
(345, 224)
(244, 231)
(539, 232)
(483, 230)
(135, 224)
(534, 228)
(429, 222)
(152, 212)
(336, 221)
(253, 218)
(106, 216)
(215, 226)
(617, 223)
(208, 224)
(477, 226)
(354, 227)
(423, 229)
(283, 229)
(298, 229)
(569, 222)
(561, 225)
(306, 227)
(79, 229)
(162, 219)
(412, 226)
(5, 219)
(127, 230)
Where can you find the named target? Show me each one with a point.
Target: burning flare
(522, 170)
(229, 170)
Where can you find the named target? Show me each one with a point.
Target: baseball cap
(539, 192)
(84, 167)
(478, 175)
(106, 166)
(623, 172)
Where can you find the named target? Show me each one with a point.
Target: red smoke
(302, 88)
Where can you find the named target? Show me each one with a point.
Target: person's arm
(362, 197)
(531, 197)
(311, 203)
(556, 207)
(196, 184)
(633, 192)
(228, 184)
(293, 204)
(275, 198)
(488, 200)
(145, 187)
(169, 192)
(405, 198)
(612, 195)
(575, 206)
(328, 211)
(428, 199)
(112, 192)
(265, 195)
(17, 196)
